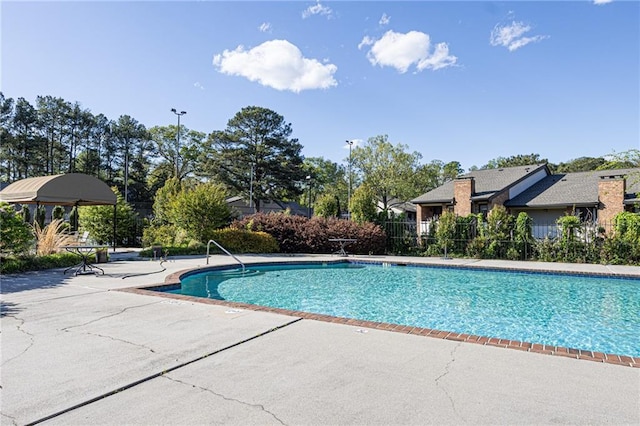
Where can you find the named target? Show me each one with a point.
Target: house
(397, 208)
(240, 206)
(595, 195)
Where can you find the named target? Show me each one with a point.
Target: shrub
(475, 248)
(41, 216)
(327, 205)
(57, 212)
(546, 250)
(233, 240)
(498, 232)
(446, 231)
(297, 234)
(98, 220)
(16, 236)
(164, 235)
(200, 210)
(623, 247)
(243, 241)
(363, 205)
(16, 264)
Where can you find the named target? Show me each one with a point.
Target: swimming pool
(594, 313)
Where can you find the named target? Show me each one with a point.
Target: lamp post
(309, 191)
(349, 188)
(179, 114)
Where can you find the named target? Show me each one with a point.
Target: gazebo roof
(65, 190)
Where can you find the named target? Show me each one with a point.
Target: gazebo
(72, 189)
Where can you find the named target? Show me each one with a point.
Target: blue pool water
(583, 312)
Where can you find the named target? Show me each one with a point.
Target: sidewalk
(76, 352)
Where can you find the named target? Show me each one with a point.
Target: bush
(164, 235)
(327, 205)
(363, 205)
(233, 240)
(200, 210)
(98, 220)
(243, 241)
(297, 234)
(476, 248)
(446, 231)
(17, 264)
(16, 236)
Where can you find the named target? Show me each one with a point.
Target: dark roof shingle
(574, 189)
(487, 183)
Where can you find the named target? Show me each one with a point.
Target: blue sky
(455, 81)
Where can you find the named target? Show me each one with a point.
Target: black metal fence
(546, 241)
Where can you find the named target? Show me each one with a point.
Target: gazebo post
(76, 217)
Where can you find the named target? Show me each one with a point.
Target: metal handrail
(224, 250)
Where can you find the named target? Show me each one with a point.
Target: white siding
(528, 182)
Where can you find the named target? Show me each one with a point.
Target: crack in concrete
(445, 373)
(120, 340)
(13, 419)
(19, 328)
(106, 316)
(260, 406)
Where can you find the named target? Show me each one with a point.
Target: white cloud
(317, 9)
(265, 27)
(385, 19)
(198, 85)
(401, 51)
(277, 64)
(600, 2)
(512, 36)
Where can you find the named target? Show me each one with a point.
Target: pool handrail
(224, 250)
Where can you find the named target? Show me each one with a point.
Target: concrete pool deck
(74, 351)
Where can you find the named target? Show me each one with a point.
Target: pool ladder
(226, 252)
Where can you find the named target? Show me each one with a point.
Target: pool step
(235, 273)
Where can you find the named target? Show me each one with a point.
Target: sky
(465, 81)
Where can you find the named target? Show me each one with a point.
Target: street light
(349, 189)
(179, 114)
(309, 191)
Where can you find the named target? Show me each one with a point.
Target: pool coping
(173, 280)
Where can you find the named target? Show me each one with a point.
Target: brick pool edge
(173, 280)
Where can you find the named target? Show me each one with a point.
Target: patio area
(77, 351)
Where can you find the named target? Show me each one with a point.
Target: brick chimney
(611, 191)
(463, 189)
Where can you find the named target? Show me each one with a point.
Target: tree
(201, 210)
(329, 182)
(515, 160)
(363, 205)
(132, 142)
(622, 160)
(581, 164)
(255, 157)
(326, 205)
(6, 137)
(52, 113)
(165, 138)
(387, 169)
(26, 153)
(98, 220)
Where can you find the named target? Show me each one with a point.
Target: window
(587, 214)
(484, 209)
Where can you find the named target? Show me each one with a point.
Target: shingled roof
(488, 182)
(574, 189)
